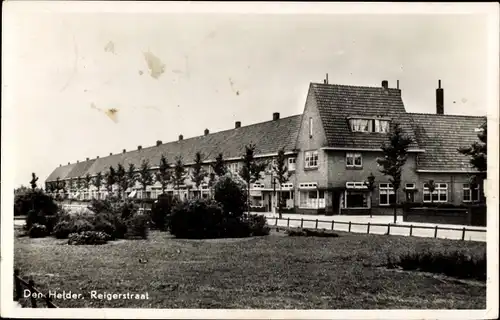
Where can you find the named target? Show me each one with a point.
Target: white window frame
(466, 188)
(292, 163)
(353, 156)
(381, 129)
(386, 189)
(311, 203)
(360, 125)
(311, 159)
(441, 191)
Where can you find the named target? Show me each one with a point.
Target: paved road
(400, 228)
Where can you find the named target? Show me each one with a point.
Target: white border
(8, 148)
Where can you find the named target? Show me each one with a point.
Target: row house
(331, 149)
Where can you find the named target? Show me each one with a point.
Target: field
(273, 272)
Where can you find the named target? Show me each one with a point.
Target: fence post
(389, 228)
(301, 222)
(436, 232)
(288, 222)
(463, 233)
(17, 285)
(276, 223)
(349, 226)
(316, 224)
(411, 229)
(368, 228)
(333, 222)
(31, 287)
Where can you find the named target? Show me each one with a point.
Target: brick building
(331, 149)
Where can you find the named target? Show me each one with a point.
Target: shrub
(161, 212)
(257, 225)
(34, 217)
(37, 231)
(88, 238)
(98, 206)
(36, 200)
(73, 224)
(197, 219)
(230, 193)
(138, 226)
(311, 233)
(124, 208)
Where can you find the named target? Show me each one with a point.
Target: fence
(370, 227)
(34, 292)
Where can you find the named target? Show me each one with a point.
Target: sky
(87, 84)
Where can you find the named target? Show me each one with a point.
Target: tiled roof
(337, 102)
(441, 136)
(269, 137)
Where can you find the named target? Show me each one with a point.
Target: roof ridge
(351, 86)
(444, 115)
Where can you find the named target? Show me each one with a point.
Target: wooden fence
(30, 285)
(389, 226)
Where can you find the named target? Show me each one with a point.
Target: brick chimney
(276, 116)
(439, 99)
(326, 80)
(385, 84)
(139, 147)
(124, 150)
(237, 124)
(158, 142)
(77, 161)
(97, 157)
(111, 153)
(397, 84)
(181, 137)
(69, 163)
(207, 132)
(60, 165)
(88, 159)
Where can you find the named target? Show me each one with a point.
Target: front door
(336, 202)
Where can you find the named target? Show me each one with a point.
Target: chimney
(97, 157)
(439, 99)
(385, 84)
(77, 161)
(111, 153)
(139, 147)
(88, 159)
(60, 165)
(397, 84)
(68, 163)
(158, 142)
(124, 150)
(237, 124)
(276, 116)
(326, 80)
(207, 132)
(181, 137)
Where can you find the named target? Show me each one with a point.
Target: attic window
(369, 125)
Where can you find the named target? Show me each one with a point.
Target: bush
(257, 225)
(37, 231)
(36, 200)
(88, 238)
(34, 217)
(230, 193)
(311, 233)
(124, 208)
(98, 206)
(452, 263)
(138, 226)
(161, 212)
(75, 223)
(197, 219)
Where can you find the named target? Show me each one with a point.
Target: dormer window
(369, 125)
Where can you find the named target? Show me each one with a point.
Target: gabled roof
(441, 136)
(338, 102)
(269, 137)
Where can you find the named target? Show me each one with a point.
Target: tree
(131, 177)
(251, 170)
(478, 153)
(121, 179)
(395, 152)
(280, 168)
(87, 182)
(198, 173)
(219, 166)
(179, 174)
(98, 182)
(78, 183)
(111, 179)
(370, 185)
(145, 177)
(432, 187)
(163, 175)
(33, 181)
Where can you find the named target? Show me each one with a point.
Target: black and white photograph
(250, 160)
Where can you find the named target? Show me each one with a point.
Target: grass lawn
(273, 272)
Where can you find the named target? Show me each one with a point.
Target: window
(360, 125)
(310, 127)
(234, 167)
(312, 199)
(440, 194)
(381, 126)
(353, 160)
(470, 193)
(386, 194)
(355, 199)
(291, 164)
(311, 159)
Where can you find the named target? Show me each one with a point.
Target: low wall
(474, 216)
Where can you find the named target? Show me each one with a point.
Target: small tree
(370, 185)
(163, 175)
(87, 182)
(179, 174)
(98, 182)
(78, 183)
(131, 177)
(395, 152)
(251, 170)
(121, 179)
(33, 181)
(111, 179)
(219, 166)
(145, 177)
(280, 168)
(431, 185)
(198, 173)
(478, 155)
